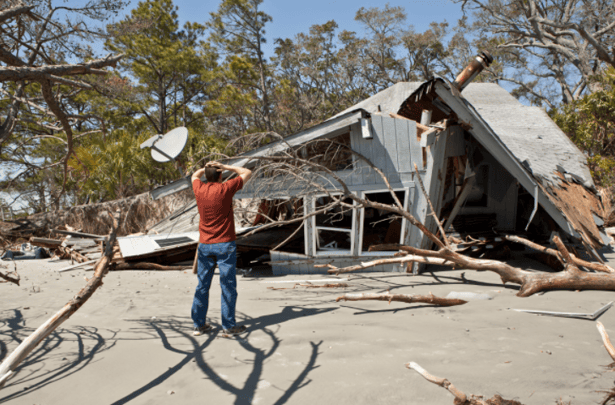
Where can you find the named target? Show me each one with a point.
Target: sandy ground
(132, 342)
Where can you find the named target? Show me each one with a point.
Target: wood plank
(468, 184)
(390, 146)
(79, 234)
(404, 157)
(75, 266)
(308, 226)
(355, 136)
(416, 151)
(45, 242)
(365, 149)
(378, 149)
(79, 243)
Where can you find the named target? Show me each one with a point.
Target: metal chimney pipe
(468, 74)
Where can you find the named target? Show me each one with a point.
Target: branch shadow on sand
(174, 327)
(42, 366)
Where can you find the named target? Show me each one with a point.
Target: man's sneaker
(235, 330)
(198, 331)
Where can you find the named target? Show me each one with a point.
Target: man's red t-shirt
(215, 203)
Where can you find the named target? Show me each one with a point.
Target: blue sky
(293, 17)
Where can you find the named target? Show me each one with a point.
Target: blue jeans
(225, 256)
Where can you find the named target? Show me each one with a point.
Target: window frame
(404, 222)
(342, 252)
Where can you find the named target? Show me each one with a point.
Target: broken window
(333, 229)
(380, 227)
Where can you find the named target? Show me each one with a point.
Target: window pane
(336, 217)
(332, 240)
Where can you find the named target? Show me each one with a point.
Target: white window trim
(340, 252)
(362, 222)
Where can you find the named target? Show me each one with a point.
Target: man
(217, 243)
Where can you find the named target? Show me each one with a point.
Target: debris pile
(83, 250)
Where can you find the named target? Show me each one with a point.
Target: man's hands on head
(244, 173)
(221, 167)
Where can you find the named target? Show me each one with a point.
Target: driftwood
(9, 365)
(410, 299)
(11, 277)
(332, 285)
(610, 395)
(460, 397)
(605, 339)
(145, 266)
(46, 243)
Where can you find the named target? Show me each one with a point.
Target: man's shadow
(245, 393)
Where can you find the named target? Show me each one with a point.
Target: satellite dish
(168, 147)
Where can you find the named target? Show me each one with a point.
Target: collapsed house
(490, 166)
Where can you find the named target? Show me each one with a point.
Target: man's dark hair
(212, 174)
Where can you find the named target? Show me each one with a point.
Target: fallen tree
(571, 278)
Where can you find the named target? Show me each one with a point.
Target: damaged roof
(527, 143)
(529, 132)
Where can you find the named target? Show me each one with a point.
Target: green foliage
(111, 167)
(590, 124)
(171, 67)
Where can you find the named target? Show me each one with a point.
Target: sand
(132, 342)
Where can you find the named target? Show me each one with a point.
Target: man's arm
(197, 175)
(244, 173)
